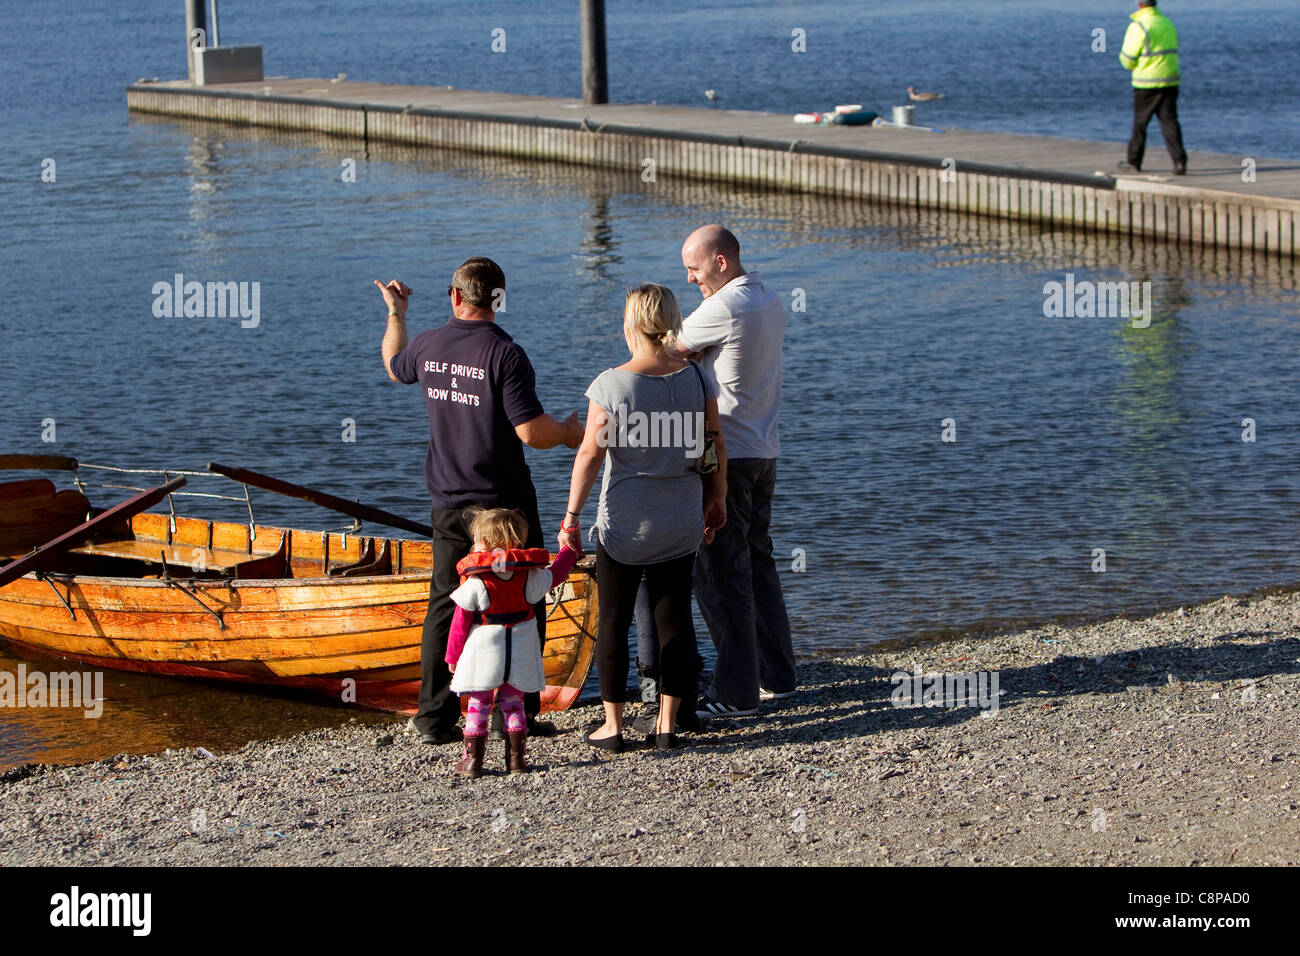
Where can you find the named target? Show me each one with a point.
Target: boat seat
(176, 556)
(368, 565)
(350, 570)
(269, 566)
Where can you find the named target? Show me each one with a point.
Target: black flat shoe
(612, 744)
(665, 741)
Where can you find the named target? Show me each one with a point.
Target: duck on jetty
(922, 97)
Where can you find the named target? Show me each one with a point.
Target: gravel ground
(1169, 740)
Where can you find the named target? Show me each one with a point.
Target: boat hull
(355, 639)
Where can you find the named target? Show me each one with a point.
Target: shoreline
(1169, 739)
(999, 628)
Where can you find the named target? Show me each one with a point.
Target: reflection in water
(206, 170)
(598, 249)
(144, 714)
(1150, 481)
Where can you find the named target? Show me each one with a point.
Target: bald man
(738, 332)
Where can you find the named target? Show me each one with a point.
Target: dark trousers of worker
(668, 590)
(1163, 104)
(739, 593)
(439, 707)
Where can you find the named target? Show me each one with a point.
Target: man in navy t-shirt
(479, 391)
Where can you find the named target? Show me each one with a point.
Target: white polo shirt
(739, 330)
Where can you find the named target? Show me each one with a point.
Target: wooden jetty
(1054, 182)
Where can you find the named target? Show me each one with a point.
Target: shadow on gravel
(858, 702)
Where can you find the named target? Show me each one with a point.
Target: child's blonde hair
(653, 311)
(499, 528)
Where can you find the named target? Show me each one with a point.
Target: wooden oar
(351, 508)
(37, 463)
(49, 552)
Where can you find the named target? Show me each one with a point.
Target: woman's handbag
(707, 463)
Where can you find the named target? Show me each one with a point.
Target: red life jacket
(507, 603)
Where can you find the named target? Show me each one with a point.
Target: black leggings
(669, 586)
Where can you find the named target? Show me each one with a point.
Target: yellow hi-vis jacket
(1150, 50)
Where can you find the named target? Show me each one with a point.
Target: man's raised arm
(397, 296)
(545, 432)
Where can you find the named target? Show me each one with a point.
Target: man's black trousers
(1162, 103)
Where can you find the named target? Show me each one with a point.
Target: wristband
(564, 530)
(396, 315)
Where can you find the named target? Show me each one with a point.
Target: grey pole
(195, 19)
(595, 78)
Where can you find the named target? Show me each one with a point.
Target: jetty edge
(1052, 182)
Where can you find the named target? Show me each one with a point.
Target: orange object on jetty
(337, 612)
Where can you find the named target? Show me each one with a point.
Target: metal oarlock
(171, 512)
(48, 579)
(248, 503)
(76, 478)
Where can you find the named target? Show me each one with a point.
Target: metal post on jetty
(595, 77)
(196, 18)
(216, 28)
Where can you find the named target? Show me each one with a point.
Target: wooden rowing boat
(340, 613)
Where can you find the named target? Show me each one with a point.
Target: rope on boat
(148, 471)
(167, 474)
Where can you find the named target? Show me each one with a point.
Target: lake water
(1072, 434)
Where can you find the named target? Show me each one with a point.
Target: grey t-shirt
(740, 330)
(651, 500)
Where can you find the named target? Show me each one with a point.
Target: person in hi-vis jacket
(1150, 52)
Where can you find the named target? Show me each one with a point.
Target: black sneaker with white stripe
(707, 709)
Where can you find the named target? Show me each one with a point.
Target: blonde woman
(647, 424)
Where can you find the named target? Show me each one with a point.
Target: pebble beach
(1169, 740)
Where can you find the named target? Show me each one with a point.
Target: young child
(493, 645)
